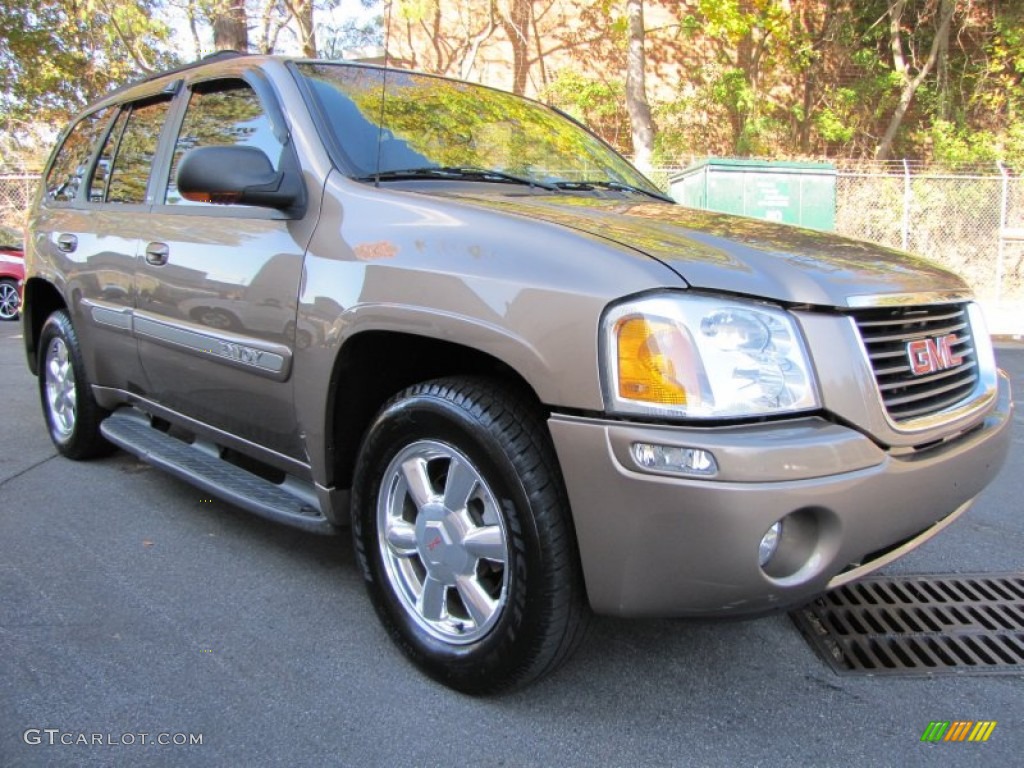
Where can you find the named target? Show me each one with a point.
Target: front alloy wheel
(463, 534)
(443, 542)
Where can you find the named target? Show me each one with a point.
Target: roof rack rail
(210, 57)
(223, 53)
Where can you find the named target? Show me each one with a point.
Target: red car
(12, 272)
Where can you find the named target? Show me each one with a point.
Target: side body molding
(262, 358)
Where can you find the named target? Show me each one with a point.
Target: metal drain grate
(920, 625)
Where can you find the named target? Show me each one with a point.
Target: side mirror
(237, 175)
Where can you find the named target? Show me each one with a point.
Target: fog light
(672, 458)
(769, 544)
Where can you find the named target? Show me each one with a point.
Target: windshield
(430, 122)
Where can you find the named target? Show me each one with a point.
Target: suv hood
(739, 255)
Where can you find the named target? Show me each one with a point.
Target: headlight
(701, 357)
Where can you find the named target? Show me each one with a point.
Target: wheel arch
(40, 299)
(374, 365)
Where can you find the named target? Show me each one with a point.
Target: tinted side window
(134, 160)
(72, 160)
(101, 174)
(225, 113)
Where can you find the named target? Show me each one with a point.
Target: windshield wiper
(457, 172)
(618, 186)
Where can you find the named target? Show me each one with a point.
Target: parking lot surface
(130, 604)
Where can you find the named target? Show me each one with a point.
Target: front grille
(887, 331)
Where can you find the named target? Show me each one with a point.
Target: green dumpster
(789, 192)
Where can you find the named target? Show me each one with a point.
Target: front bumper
(661, 545)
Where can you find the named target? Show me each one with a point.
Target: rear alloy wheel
(72, 414)
(10, 301)
(462, 531)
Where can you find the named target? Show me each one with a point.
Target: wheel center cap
(434, 543)
(439, 543)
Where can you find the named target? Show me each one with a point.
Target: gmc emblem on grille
(931, 355)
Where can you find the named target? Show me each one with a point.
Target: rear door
(89, 227)
(218, 285)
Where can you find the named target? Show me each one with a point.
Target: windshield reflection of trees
(433, 122)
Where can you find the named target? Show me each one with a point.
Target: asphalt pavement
(131, 605)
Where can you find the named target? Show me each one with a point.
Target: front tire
(72, 415)
(462, 531)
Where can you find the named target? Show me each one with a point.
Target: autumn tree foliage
(661, 79)
(929, 79)
(57, 55)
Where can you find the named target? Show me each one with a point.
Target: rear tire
(72, 415)
(463, 534)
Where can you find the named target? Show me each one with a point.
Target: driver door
(217, 287)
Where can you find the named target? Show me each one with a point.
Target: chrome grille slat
(880, 372)
(886, 332)
(922, 379)
(885, 355)
(910, 315)
(933, 392)
(912, 413)
(922, 334)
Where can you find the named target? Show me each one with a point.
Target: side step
(131, 430)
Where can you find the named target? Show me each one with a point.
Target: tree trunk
(190, 13)
(911, 83)
(517, 26)
(469, 59)
(818, 37)
(641, 122)
(302, 11)
(230, 26)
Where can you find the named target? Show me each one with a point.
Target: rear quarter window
(71, 163)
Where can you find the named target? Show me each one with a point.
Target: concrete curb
(1007, 341)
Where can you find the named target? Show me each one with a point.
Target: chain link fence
(1011, 256)
(16, 192)
(972, 222)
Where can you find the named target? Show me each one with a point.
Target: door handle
(157, 254)
(67, 243)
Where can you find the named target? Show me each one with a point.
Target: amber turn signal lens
(648, 356)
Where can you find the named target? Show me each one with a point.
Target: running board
(130, 429)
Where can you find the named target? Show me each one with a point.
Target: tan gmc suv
(535, 386)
